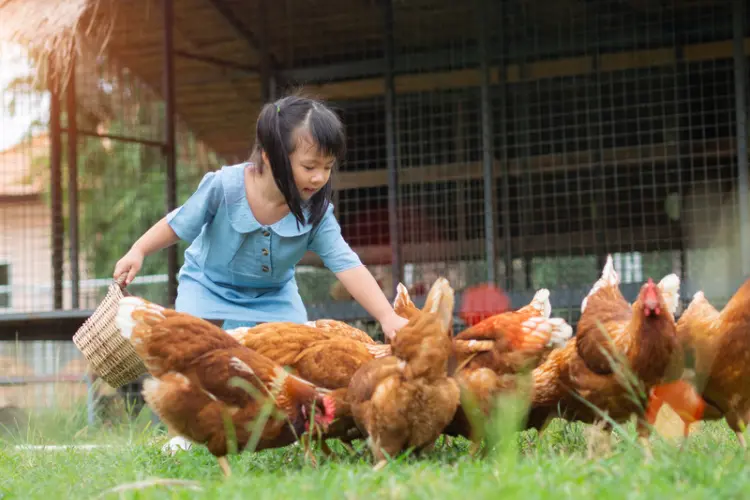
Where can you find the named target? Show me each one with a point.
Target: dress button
(264, 251)
(265, 269)
(266, 233)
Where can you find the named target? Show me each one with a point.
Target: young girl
(248, 225)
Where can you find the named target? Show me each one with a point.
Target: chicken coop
(513, 142)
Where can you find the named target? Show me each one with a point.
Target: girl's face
(310, 168)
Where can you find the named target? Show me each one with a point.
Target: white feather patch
(561, 332)
(239, 332)
(126, 307)
(541, 302)
(240, 365)
(670, 290)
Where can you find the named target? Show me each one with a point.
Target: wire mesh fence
(514, 141)
(612, 131)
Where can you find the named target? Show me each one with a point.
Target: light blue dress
(239, 270)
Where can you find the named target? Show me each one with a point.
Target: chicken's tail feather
(609, 278)
(670, 290)
(132, 311)
(541, 302)
(402, 299)
(440, 301)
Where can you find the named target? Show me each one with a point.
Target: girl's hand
(391, 324)
(131, 263)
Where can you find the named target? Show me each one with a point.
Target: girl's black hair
(277, 135)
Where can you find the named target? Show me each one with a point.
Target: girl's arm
(361, 284)
(159, 236)
(185, 222)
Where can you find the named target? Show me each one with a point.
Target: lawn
(567, 462)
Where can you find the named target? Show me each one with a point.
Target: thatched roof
(50, 28)
(40, 23)
(220, 104)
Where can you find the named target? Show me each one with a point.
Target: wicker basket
(111, 356)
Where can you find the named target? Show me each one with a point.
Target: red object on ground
(682, 397)
(479, 302)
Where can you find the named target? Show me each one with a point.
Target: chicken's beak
(650, 299)
(651, 306)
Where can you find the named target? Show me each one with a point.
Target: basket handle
(121, 283)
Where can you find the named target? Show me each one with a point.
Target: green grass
(560, 465)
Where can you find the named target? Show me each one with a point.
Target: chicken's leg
(737, 425)
(348, 448)
(378, 454)
(644, 432)
(380, 464)
(327, 451)
(741, 439)
(475, 448)
(224, 464)
(306, 440)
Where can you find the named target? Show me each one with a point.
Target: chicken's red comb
(330, 406)
(329, 411)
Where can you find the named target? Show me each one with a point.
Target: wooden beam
(624, 156)
(242, 30)
(532, 71)
(48, 325)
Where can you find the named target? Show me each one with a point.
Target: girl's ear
(264, 157)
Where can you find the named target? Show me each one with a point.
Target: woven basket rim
(110, 355)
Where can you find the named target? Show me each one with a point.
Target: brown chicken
(720, 344)
(493, 355)
(327, 359)
(285, 342)
(406, 400)
(342, 329)
(497, 355)
(402, 304)
(210, 389)
(325, 352)
(644, 353)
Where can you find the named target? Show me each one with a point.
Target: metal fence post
(72, 130)
(55, 161)
(488, 150)
(170, 150)
(740, 101)
(390, 139)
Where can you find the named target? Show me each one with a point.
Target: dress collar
(238, 209)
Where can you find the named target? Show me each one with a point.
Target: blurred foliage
(122, 185)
